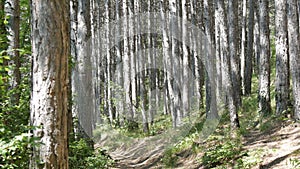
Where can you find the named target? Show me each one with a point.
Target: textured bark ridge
(294, 51)
(264, 59)
(282, 58)
(49, 101)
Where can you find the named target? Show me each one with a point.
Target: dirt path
(278, 146)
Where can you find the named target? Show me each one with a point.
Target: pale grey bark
(174, 78)
(108, 76)
(282, 58)
(243, 44)
(132, 57)
(226, 68)
(264, 59)
(149, 63)
(256, 36)
(185, 62)
(220, 99)
(119, 73)
(96, 59)
(165, 47)
(49, 97)
(210, 93)
(294, 52)
(126, 66)
(82, 89)
(199, 72)
(233, 50)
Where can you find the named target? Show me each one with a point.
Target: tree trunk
(243, 44)
(249, 55)
(108, 79)
(219, 75)
(185, 63)
(49, 98)
(210, 93)
(199, 71)
(264, 59)
(165, 48)
(294, 52)
(83, 94)
(12, 10)
(282, 58)
(224, 49)
(119, 75)
(233, 49)
(256, 37)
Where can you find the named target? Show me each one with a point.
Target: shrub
(82, 156)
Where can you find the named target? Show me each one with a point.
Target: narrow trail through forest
(278, 146)
(139, 153)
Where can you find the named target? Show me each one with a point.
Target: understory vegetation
(98, 102)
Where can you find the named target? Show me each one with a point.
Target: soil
(279, 145)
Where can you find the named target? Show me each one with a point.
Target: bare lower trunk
(264, 59)
(49, 98)
(282, 58)
(294, 51)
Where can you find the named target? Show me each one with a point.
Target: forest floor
(276, 147)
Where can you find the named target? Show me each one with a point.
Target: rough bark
(83, 104)
(233, 50)
(282, 58)
(108, 76)
(264, 59)
(210, 94)
(249, 55)
(219, 75)
(185, 63)
(126, 67)
(256, 36)
(294, 52)
(49, 98)
(165, 48)
(243, 44)
(226, 68)
(174, 63)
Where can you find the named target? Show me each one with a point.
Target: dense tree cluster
(126, 62)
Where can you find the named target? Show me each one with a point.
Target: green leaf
(6, 57)
(5, 22)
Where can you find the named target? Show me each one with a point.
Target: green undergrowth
(82, 156)
(161, 124)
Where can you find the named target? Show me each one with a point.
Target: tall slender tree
(256, 36)
(12, 10)
(49, 98)
(243, 43)
(210, 93)
(226, 68)
(82, 81)
(233, 50)
(185, 63)
(294, 52)
(282, 57)
(126, 65)
(264, 59)
(247, 81)
(173, 65)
